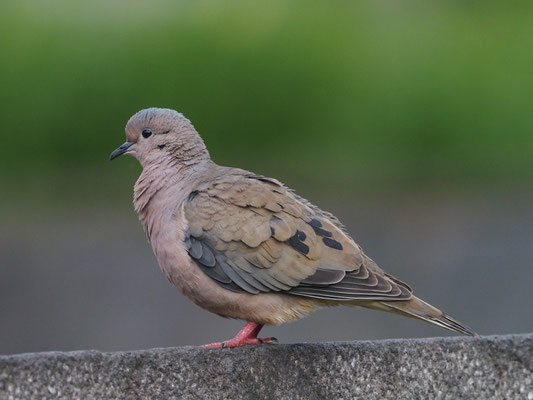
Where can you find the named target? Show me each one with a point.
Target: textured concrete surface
(496, 367)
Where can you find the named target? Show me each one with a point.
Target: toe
(213, 345)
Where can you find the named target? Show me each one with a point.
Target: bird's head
(157, 134)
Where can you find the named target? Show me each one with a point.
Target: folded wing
(251, 234)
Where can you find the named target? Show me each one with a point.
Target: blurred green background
(374, 109)
(374, 91)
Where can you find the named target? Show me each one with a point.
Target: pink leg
(247, 335)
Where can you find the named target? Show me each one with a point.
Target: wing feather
(251, 234)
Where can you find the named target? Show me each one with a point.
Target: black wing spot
(192, 196)
(332, 243)
(317, 227)
(315, 223)
(296, 242)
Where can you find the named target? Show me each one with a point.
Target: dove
(245, 246)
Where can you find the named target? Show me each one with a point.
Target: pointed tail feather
(419, 309)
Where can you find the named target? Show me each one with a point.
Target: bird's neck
(161, 190)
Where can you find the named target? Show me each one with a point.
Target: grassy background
(369, 92)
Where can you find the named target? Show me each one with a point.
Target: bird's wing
(251, 234)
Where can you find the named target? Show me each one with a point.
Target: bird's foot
(242, 342)
(247, 336)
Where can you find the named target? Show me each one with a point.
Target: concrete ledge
(496, 367)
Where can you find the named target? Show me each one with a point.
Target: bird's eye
(147, 133)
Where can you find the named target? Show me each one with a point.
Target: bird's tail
(419, 309)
